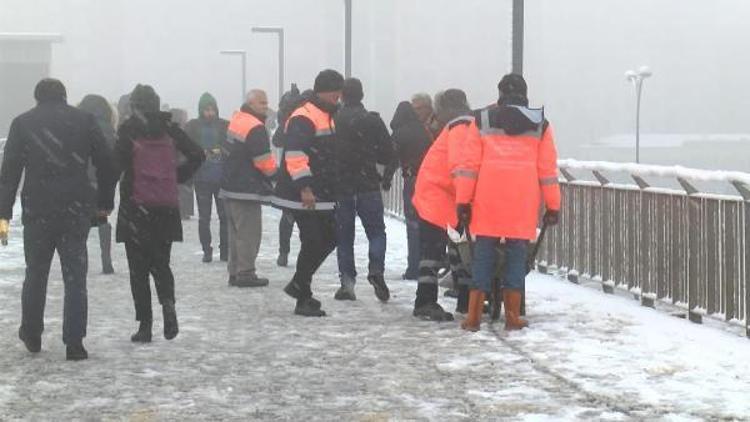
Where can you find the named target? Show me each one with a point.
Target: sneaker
(283, 260)
(76, 351)
(33, 344)
(381, 289)
(250, 280)
(432, 312)
(293, 289)
(309, 307)
(208, 255)
(345, 292)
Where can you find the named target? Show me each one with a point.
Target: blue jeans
(412, 228)
(369, 207)
(485, 263)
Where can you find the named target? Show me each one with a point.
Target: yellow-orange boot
(476, 306)
(512, 302)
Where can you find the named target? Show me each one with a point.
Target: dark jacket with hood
(410, 138)
(362, 143)
(210, 135)
(102, 111)
(301, 140)
(156, 224)
(54, 144)
(249, 165)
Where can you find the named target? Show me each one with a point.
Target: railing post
(608, 285)
(744, 191)
(643, 245)
(694, 248)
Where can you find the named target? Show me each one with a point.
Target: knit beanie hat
(513, 89)
(144, 99)
(328, 81)
(50, 90)
(352, 92)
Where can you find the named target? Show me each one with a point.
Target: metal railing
(685, 247)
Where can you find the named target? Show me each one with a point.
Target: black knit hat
(328, 81)
(352, 92)
(513, 87)
(144, 99)
(50, 90)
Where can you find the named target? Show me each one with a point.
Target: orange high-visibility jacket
(518, 169)
(448, 173)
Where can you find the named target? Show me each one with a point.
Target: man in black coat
(362, 143)
(412, 141)
(54, 144)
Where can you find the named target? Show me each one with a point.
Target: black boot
(223, 255)
(432, 312)
(170, 320)
(208, 255)
(143, 335)
(309, 307)
(33, 344)
(75, 351)
(283, 260)
(381, 289)
(462, 304)
(250, 280)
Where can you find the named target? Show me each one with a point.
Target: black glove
(463, 211)
(551, 217)
(385, 185)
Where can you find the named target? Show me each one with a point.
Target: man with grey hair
(246, 184)
(422, 103)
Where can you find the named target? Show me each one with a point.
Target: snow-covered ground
(241, 354)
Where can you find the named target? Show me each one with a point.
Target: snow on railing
(677, 172)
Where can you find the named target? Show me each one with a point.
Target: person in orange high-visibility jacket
(246, 184)
(307, 182)
(445, 185)
(518, 171)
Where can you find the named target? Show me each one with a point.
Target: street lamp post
(348, 38)
(243, 55)
(280, 32)
(637, 78)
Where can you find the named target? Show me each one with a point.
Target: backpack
(155, 172)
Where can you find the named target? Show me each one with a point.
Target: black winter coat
(55, 143)
(158, 224)
(362, 143)
(411, 139)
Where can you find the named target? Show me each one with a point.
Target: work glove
(4, 230)
(551, 217)
(463, 212)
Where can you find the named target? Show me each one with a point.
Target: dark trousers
(434, 241)
(317, 234)
(369, 207)
(41, 240)
(286, 227)
(412, 227)
(105, 245)
(206, 194)
(149, 258)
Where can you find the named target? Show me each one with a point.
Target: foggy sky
(576, 54)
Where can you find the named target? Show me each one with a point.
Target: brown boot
(512, 302)
(476, 306)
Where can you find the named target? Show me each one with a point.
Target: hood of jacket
(207, 101)
(516, 120)
(404, 115)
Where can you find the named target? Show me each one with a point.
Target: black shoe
(108, 269)
(283, 260)
(233, 281)
(143, 335)
(223, 255)
(381, 289)
(252, 280)
(309, 307)
(345, 292)
(170, 320)
(208, 255)
(76, 351)
(33, 344)
(293, 290)
(432, 312)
